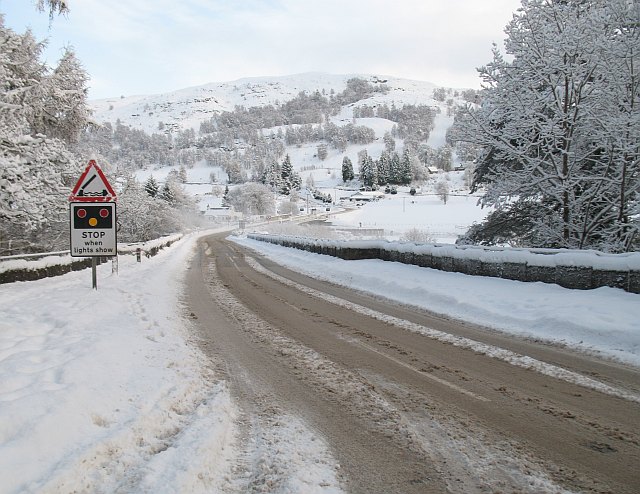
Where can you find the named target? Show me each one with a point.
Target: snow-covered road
(107, 390)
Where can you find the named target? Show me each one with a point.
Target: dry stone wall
(579, 270)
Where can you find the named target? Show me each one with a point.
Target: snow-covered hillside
(186, 108)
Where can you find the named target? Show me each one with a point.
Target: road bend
(409, 401)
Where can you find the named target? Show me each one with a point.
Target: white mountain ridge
(187, 108)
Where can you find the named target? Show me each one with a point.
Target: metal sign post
(94, 273)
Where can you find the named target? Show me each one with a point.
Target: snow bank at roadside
(100, 390)
(603, 320)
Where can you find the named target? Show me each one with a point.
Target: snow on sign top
(92, 186)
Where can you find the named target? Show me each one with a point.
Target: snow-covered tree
(151, 186)
(322, 151)
(64, 113)
(419, 172)
(389, 142)
(347, 170)
(443, 158)
(368, 175)
(442, 189)
(142, 217)
(37, 170)
(383, 168)
(405, 167)
(252, 199)
(395, 171)
(289, 179)
(560, 128)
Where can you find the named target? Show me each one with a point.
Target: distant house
(433, 169)
(366, 196)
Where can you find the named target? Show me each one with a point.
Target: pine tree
(405, 168)
(289, 179)
(395, 172)
(65, 112)
(182, 175)
(272, 176)
(166, 194)
(151, 187)
(368, 175)
(322, 152)
(347, 170)
(383, 166)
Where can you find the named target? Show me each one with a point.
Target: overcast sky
(152, 46)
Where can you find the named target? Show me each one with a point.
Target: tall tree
(368, 175)
(383, 168)
(560, 129)
(347, 170)
(395, 171)
(64, 113)
(405, 167)
(290, 179)
(151, 187)
(36, 169)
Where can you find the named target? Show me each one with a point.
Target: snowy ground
(105, 391)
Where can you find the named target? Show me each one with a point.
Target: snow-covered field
(105, 391)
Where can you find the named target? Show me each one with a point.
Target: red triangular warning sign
(92, 186)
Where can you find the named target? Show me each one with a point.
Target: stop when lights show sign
(93, 215)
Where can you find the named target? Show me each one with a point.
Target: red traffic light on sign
(89, 216)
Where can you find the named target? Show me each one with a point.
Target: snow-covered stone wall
(568, 268)
(36, 266)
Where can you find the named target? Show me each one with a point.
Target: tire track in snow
(508, 356)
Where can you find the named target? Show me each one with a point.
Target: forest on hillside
(246, 142)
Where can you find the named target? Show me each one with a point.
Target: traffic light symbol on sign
(87, 217)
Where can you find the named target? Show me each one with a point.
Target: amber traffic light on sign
(87, 216)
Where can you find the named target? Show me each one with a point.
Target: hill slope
(186, 108)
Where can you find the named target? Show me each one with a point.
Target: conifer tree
(151, 187)
(290, 179)
(405, 168)
(383, 166)
(347, 170)
(395, 172)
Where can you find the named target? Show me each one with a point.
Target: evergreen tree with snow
(289, 179)
(347, 170)
(151, 187)
(368, 172)
(405, 168)
(166, 194)
(383, 168)
(37, 168)
(322, 151)
(273, 176)
(395, 172)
